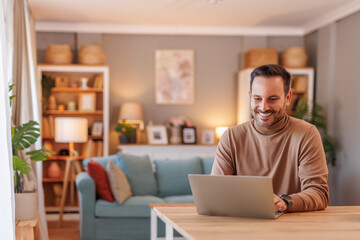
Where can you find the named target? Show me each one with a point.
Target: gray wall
(338, 82)
(131, 61)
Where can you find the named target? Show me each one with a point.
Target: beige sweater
(290, 152)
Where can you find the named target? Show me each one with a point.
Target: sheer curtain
(26, 104)
(7, 221)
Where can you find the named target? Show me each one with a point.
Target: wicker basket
(91, 55)
(260, 56)
(58, 54)
(294, 57)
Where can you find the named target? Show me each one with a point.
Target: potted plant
(127, 132)
(319, 120)
(22, 138)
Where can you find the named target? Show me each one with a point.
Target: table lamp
(71, 130)
(132, 113)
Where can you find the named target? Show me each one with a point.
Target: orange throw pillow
(98, 173)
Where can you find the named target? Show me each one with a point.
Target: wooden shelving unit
(63, 95)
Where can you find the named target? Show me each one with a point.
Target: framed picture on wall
(174, 76)
(157, 134)
(188, 135)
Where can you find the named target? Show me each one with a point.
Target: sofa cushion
(136, 206)
(207, 164)
(139, 173)
(97, 172)
(102, 160)
(118, 182)
(172, 176)
(179, 199)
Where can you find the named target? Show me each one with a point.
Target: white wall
(338, 83)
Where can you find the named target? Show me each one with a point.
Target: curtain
(7, 216)
(27, 103)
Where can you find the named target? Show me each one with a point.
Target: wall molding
(165, 30)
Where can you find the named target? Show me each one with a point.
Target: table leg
(169, 233)
(153, 225)
(63, 194)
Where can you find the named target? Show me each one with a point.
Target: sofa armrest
(87, 197)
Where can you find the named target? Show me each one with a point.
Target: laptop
(235, 196)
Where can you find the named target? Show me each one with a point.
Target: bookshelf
(67, 87)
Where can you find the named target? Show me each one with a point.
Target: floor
(69, 229)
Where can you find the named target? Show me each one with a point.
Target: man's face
(268, 101)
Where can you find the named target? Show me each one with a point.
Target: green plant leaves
(39, 155)
(20, 165)
(25, 135)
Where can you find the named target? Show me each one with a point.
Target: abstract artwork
(174, 77)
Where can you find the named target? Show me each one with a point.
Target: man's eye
(257, 99)
(273, 99)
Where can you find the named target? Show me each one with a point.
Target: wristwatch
(288, 200)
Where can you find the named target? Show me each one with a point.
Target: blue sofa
(158, 182)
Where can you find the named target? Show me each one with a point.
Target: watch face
(288, 200)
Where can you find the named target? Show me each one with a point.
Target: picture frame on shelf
(87, 102)
(97, 129)
(188, 135)
(157, 134)
(174, 76)
(208, 137)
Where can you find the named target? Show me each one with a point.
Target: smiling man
(274, 144)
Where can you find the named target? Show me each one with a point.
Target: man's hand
(280, 205)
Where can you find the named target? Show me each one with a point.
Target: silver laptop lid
(236, 196)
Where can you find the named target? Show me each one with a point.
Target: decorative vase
(26, 205)
(175, 135)
(54, 170)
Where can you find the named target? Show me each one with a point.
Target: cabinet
(69, 90)
(302, 86)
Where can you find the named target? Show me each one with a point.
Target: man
(274, 144)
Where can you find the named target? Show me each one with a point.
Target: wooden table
(342, 222)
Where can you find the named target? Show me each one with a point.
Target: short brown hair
(272, 70)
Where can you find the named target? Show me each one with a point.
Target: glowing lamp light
(219, 131)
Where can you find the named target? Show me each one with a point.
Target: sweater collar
(277, 127)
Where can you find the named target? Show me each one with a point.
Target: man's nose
(264, 106)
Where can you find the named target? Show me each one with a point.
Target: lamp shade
(130, 111)
(71, 129)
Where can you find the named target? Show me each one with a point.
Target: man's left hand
(280, 205)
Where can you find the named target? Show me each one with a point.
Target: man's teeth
(265, 114)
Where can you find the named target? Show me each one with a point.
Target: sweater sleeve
(224, 159)
(313, 174)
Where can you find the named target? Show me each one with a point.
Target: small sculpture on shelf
(175, 125)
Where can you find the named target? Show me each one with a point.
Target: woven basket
(294, 57)
(58, 54)
(91, 55)
(260, 56)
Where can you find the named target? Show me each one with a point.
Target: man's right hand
(280, 205)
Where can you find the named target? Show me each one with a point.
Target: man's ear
(288, 98)
(249, 94)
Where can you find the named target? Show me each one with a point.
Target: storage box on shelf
(88, 100)
(302, 86)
